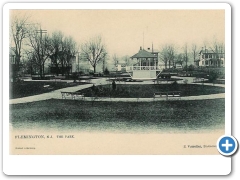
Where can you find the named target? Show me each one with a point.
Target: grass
(214, 82)
(119, 116)
(29, 88)
(147, 91)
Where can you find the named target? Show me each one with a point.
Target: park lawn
(29, 88)
(215, 82)
(119, 116)
(147, 90)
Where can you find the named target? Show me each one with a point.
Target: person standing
(114, 85)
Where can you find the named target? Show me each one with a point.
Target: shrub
(106, 71)
(212, 76)
(174, 85)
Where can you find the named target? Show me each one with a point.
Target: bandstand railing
(146, 68)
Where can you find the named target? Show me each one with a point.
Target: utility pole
(143, 40)
(41, 32)
(103, 68)
(78, 61)
(186, 58)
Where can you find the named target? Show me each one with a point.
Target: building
(210, 58)
(12, 58)
(146, 66)
(121, 67)
(178, 65)
(14, 66)
(65, 67)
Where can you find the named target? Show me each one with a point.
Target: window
(206, 55)
(206, 63)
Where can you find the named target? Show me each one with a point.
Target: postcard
(101, 85)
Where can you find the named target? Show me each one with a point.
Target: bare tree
(126, 59)
(164, 56)
(56, 42)
(19, 33)
(171, 55)
(186, 56)
(115, 60)
(194, 52)
(167, 55)
(40, 48)
(63, 51)
(180, 58)
(104, 63)
(218, 50)
(69, 50)
(94, 50)
(31, 62)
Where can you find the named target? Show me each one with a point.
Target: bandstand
(146, 66)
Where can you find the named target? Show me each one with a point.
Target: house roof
(209, 52)
(143, 54)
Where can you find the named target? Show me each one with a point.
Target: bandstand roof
(143, 54)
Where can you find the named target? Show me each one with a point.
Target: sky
(124, 31)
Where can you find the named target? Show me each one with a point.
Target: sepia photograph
(116, 81)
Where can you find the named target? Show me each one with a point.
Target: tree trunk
(186, 65)
(41, 71)
(57, 69)
(17, 61)
(43, 68)
(62, 69)
(94, 68)
(68, 70)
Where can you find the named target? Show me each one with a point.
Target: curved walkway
(57, 94)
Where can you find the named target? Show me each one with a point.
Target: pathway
(101, 81)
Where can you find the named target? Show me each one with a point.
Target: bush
(106, 71)
(41, 78)
(191, 67)
(212, 76)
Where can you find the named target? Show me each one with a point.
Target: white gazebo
(146, 66)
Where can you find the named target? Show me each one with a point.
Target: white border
(115, 165)
(117, 6)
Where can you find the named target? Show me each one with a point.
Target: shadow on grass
(119, 116)
(29, 88)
